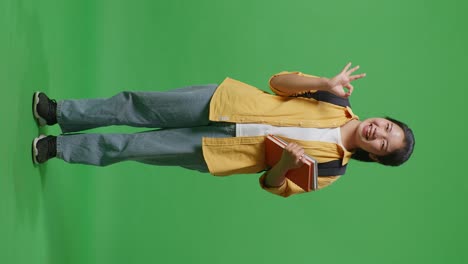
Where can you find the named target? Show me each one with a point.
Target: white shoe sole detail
(34, 147)
(41, 121)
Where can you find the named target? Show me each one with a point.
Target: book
(304, 176)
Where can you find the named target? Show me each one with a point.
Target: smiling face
(379, 136)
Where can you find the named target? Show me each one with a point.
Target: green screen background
(414, 54)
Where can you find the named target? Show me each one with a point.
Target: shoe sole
(40, 121)
(34, 151)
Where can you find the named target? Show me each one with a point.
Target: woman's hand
(292, 156)
(290, 159)
(343, 80)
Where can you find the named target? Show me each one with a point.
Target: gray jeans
(181, 115)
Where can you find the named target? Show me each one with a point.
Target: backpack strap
(331, 168)
(327, 97)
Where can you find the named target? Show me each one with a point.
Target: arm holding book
(274, 180)
(290, 159)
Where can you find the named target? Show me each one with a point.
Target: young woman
(221, 128)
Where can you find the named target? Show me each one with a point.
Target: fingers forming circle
(350, 89)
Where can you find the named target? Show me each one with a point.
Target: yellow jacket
(237, 102)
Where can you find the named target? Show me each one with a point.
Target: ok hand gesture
(343, 80)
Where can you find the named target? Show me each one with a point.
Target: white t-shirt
(331, 135)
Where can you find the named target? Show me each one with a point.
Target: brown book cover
(304, 176)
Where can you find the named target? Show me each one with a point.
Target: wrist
(284, 166)
(329, 83)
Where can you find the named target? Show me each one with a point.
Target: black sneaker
(44, 109)
(44, 148)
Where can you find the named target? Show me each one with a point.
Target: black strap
(331, 168)
(327, 97)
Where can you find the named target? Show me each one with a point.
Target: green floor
(414, 53)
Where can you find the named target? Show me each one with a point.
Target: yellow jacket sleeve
(283, 93)
(289, 188)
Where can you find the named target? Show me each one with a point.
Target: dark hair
(397, 157)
